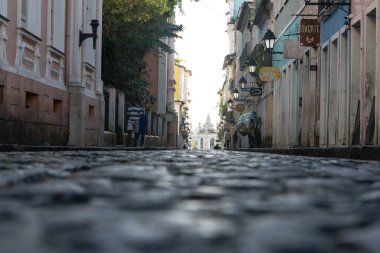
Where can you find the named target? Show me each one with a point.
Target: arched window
(201, 143)
(212, 142)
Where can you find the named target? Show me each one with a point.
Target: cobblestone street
(182, 201)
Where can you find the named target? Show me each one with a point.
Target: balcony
(261, 12)
(244, 57)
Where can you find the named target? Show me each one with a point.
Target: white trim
(371, 7)
(343, 29)
(335, 36)
(356, 19)
(326, 44)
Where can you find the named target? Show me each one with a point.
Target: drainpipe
(67, 40)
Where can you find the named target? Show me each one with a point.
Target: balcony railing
(243, 60)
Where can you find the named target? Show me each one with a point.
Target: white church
(205, 136)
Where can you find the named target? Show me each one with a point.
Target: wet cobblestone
(183, 201)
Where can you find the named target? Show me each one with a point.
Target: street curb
(356, 152)
(27, 148)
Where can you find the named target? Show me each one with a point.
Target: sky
(203, 46)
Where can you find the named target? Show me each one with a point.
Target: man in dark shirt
(143, 123)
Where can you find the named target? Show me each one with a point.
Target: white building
(205, 136)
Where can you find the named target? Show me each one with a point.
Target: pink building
(50, 85)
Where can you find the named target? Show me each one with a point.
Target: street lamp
(269, 39)
(253, 91)
(242, 82)
(236, 93)
(252, 66)
(82, 36)
(230, 102)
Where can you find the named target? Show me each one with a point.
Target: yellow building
(181, 103)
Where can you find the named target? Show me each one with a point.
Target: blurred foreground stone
(183, 201)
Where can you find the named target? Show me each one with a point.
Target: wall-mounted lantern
(242, 82)
(252, 66)
(82, 36)
(269, 40)
(235, 93)
(230, 102)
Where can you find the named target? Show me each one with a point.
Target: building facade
(181, 104)
(327, 94)
(51, 92)
(204, 138)
(163, 120)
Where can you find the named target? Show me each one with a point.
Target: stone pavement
(182, 201)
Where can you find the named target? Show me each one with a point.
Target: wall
(43, 72)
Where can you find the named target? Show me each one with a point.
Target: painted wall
(151, 60)
(178, 73)
(237, 5)
(357, 5)
(278, 60)
(331, 24)
(284, 15)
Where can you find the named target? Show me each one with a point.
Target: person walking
(134, 111)
(143, 125)
(227, 139)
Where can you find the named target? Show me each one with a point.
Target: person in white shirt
(134, 111)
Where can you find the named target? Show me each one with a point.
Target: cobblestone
(182, 201)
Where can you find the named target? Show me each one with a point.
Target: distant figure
(227, 139)
(143, 126)
(134, 111)
(235, 140)
(217, 147)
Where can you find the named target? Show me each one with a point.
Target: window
(343, 88)
(4, 8)
(1, 94)
(370, 76)
(354, 133)
(91, 110)
(324, 95)
(52, 23)
(31, 16)
(31, 101)
(333, 93)
(24, 14)
(89, 14)
(56, 30)
(57, 106)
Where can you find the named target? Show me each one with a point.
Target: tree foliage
(131, 28)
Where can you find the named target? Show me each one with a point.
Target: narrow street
(183, 201)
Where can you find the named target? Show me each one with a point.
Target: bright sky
(203, 46)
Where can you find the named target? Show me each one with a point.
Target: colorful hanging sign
(268, 74)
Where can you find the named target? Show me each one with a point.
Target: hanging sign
(309, 32)
(267, 74)
(240, 108)
(256, 91)
(293, 49)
